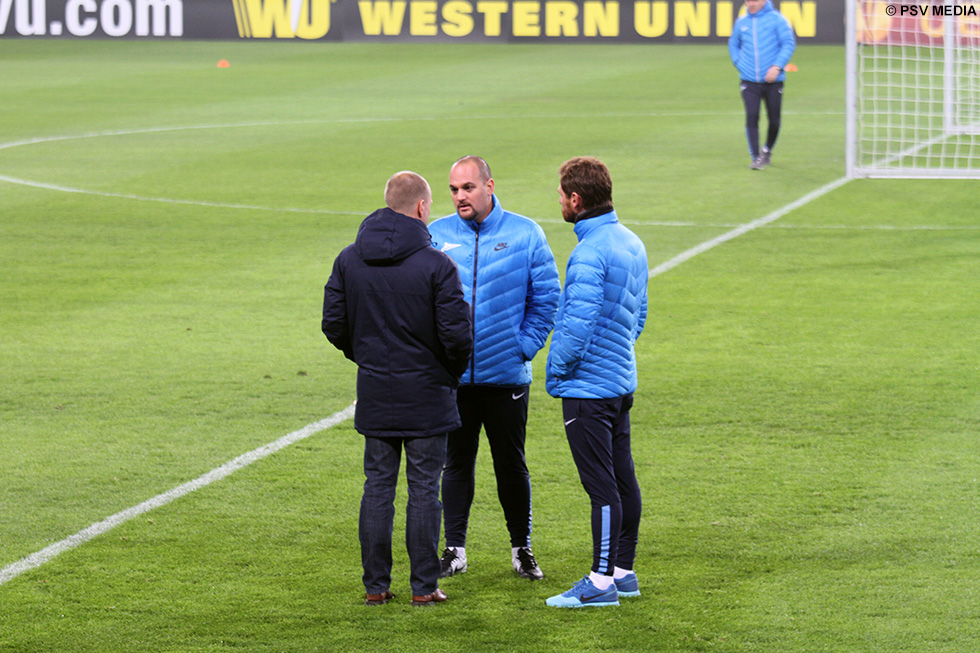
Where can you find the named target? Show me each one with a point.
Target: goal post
(913, 88)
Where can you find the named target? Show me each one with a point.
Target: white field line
(218, 126)
(37, 559)
(44, 555)
(815, 227)
(745, 228)
(165, 200)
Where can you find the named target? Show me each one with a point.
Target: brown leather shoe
(378, 599)
(429, 599)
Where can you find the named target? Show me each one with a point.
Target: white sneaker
(452, 563)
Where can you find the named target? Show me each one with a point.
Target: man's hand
(772, 74)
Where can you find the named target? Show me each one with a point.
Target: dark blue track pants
(598, 432)
(753, 95)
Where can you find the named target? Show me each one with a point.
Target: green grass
(804, 431)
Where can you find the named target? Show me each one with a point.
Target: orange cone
(224, 64)
(790, 67)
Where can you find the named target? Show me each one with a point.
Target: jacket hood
(387, 237)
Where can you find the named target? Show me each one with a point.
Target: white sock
(621, 573)
(601, 582)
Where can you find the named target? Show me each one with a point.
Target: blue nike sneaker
(584, 594)
(628, 586)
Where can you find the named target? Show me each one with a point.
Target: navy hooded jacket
(394, 305)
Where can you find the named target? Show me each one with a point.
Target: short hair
(482, 166)
(404, 190)
(589, 177)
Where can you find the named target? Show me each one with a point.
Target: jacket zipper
(476, 258)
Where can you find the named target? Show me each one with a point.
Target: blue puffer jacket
(602, 312)
(761, 40)
(510, 279)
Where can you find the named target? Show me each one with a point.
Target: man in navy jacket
(394, 305)
(592, 367)
(760, 46)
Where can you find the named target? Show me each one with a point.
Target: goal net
(913, 88)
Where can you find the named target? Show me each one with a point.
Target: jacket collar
(584, 227)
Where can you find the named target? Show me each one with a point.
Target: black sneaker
(451, 563)
(526, 566)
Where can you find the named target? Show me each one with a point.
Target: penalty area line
(44, 555)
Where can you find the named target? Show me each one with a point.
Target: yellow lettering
(526, 19)
(314, 20)
(457, 18)
(560, 19)
(650, 19)
(422, 21)
(601, 19)
(266, 17)
(382, 17)
(724, 18)
(692, 18)
(802, 16)
(492, 11)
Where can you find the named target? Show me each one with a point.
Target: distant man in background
(760, 46)
(394, 306)
(592, 367)
(511, 281)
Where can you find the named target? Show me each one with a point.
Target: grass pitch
(804, 430)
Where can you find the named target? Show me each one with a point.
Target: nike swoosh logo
(448, 246)
(570, 421)
(516, 397)
(588, 598)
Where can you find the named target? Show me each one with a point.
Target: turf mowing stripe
(37, 559)
(745, 228)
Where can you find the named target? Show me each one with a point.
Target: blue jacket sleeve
(787, 42)
(583, 304)
(642, 318)
(735, 44)
(542, 297)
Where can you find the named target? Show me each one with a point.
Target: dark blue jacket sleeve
(335, 324)
(454, 321)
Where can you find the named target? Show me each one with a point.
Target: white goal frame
(913, 98)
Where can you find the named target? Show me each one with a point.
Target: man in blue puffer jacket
(511, 281)
(592, 367)
(760, 46)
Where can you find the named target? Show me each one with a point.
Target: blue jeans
(424, 458)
